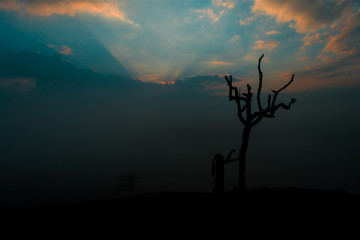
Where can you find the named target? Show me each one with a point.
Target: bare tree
(127, 183)
(250, 119)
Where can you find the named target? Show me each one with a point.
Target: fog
(64, 141)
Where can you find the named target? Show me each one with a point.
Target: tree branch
(228, 158)
(260, 84)
(274, 106)
(278, 91)
(233, 89)
(240, 111)
(252, 119)
(284, 106)
(257, 119)
(248, 96)
(237, 97)
(269, 101)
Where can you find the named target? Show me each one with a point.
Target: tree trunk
(242, 157)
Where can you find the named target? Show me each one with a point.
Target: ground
(271, 208)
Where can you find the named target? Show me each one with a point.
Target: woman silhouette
(218, 169)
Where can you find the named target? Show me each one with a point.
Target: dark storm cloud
(54, 73)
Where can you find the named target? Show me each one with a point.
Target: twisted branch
(237, 97)
(252, 119)
(260, 84)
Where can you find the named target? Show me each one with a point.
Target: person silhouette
(218, 169)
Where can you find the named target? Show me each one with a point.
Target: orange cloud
(338, 21)
(65, 50)
(45, 8)
(311, 38)
(172, 82)
(10, 5)
(220, 63)
(325, 58)
(224, 3)
(210, 14)
(273, 32)
(246, 21)
(222, 75)
(269, 45)
(61, 49)
(306, 16)
(346, 42)
(304, 58)
(213, 12)
(284, 76)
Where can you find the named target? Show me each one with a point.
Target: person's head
(218, 158)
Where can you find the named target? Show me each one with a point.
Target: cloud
(346, 42)
(172, 82)
(304, 58)
(324, 58)
(309, 39)
(269, 45)
(215, 84)
(65, 50)
(246, 21)
(224, 3)
(333, 23)
(341, 37)
(339, 71)
(45, 8)
(220, 63)
(215, 17)
(212, 12)
(10, 5)
(306, 16)
(18, 84)
(235, 38)
(150, 77)
(273, 32)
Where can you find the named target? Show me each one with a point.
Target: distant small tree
(250, 119)
(127, 183)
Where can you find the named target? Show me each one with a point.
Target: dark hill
(264, 207)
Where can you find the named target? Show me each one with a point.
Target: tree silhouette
(127, 183)
(250, 119)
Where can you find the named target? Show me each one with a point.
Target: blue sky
(158, 40)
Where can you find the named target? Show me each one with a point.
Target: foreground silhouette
(287, 207)
(218, 169)
(127, 183)
(244, 107)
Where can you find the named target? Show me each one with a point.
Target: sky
(160, 40)
(93, 89)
